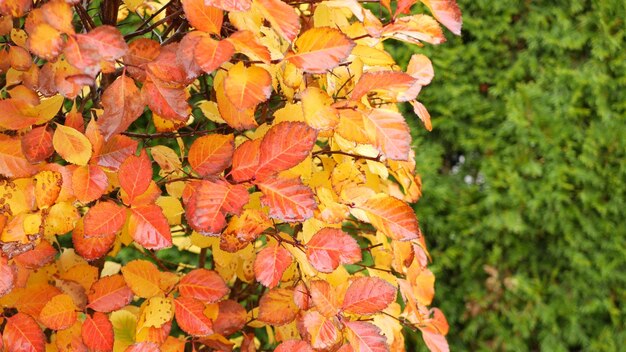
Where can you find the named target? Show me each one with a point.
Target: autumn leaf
(281, 16)
(115, 151)
(91, 248)
(392, 217)
(324, 297)
(59, 313)
(97, 332)
(277, 307)
(202, 284)
(190, 316)
(322, 332)
(143, 347)
(121, 106)
(364, 336)
(104, 218)
(89, 183)
(231, 318)
(109, 294)
(368, 295)
(389, 131)
(211, 154)
(245, 160)
(329, 248)
(246, 87)
(7, 276)
(135, 174)
(71, 145)
(167, 102)
(270, 264)
(202, 17)
(22, 333)
(320, 49)
(288, 199)
(13, 163)
(211, 54)
(447, 12)
(143, 278)
(37, 144)
(148, 227)
(294, 346)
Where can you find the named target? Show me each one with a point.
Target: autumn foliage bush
(262, 137)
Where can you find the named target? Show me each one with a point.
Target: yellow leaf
(124, 324)
(209, 109)
(72, 145)
(172, 209)
(19, 36)
(166, 157)
(156, 312)
(373, 56)
(61, 219)
(143, 278)
(317, 110)
(48, 108)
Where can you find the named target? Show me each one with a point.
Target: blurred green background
(524, 204)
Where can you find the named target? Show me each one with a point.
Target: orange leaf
(89, 183)
(7, 276)
(270, 264)
(211, 154)
(245, 160)
(71, 145)
(247, 43)
(13, 163)
(97, 332)
(277, 307)
(389, 131)
(105, 42)
(135, 175)
(143, 278)
(423, 114)
(330, 247)
(185, 56)
(294, 346)
(368, 295)
(202, 17)
(447, 12)
(324, 298)
(392, 217)
(364, 336)
(211, 54)
(59, 15)
(391, 86)
(415, 29)
(231, 318)
(140, 52)
(167, 102)
(34, 297)
(190, 316)
(59, 313)
(230, 5)
(22, 333)
(45, 41)
(421, 68)
(235, 118)
(143, 347)
(246, 87)
(322, 332)
(288, 199)
(121, 106)
(115, 151)
(148, 227)
(110, 293)
(283, 18)
(320, 49)
(42, 254)
(166, 69)
(37, 144)
(284, 146)
(204, 285)
(16, 114)
(91, 248)
(104, 218)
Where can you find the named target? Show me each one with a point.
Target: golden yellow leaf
(71, 145)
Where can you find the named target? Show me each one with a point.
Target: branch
(153, 26)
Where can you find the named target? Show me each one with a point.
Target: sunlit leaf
(143, 278)
(288, 199)
(247, 86)
(368, 295)
(202, 17)
(59, 313)
(72, 145)
(320, 49)
(364, 336)
(211, 154)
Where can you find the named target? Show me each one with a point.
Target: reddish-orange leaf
(211, 154)
(330, 247)
(247, 43)
(146, 198)
(23, 334)
(364, 336)
(185, 55)
(301, 296)
(230, 5)
(283, 18)
(89, 183)
(122, 106)
(190, 316)
(148, 227)
(104, 41)
(288, 199)
(135, 175)
(42, 254)
(235, 118)
(415, 29)
(34, 298)
(166, 68)
(204, 285)
(421, 68)
(13, 163)
(211, 54)
(231, 317)
(37, 144)
(97, 332)
(320, 49)
(423, 114)
(324, 298)
(167, 102)
(143, 347)
(322, 332)
(246, 87)
(104, 218)
(392, 217)
(59, 313)
(59, 15)
(294, 346)
(368, 295)
(389, 131)
(115, 151)
(15, 114)
(270, 264)
(284, 146)
(202, 17)
(140, 52)
(447, 12)
(7, 276)
(91, 248)
(245, 160)
(110, 293)
(277, 307)
(389, 85)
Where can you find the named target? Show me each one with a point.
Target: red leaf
(288, 199)
(284, 146)
(104, 218)
(135, 175)
(270, 264)
(167, 102)
(23, 334)
(365, 337)
(211, 154)
(204, 18)
(190, 316)
(393, 86)
(368, 295)
(115, 151)
(42, 254)
(37, 144)
(283, 18)
(320, 49)
(204, 285)
(389, 132)
(246, 87)
(89, 183)
(447, 12)
(110, 293)
(121, 106)
(7, 276)
(231, 317)
(294, 346)
(143, 347)
(186, 54)
(167, 70)
(91, 248)
(148, 227)
(392, 217)
(13, 163)
(211, 54)
(97, 332)
(330, 247)
(245, 160)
